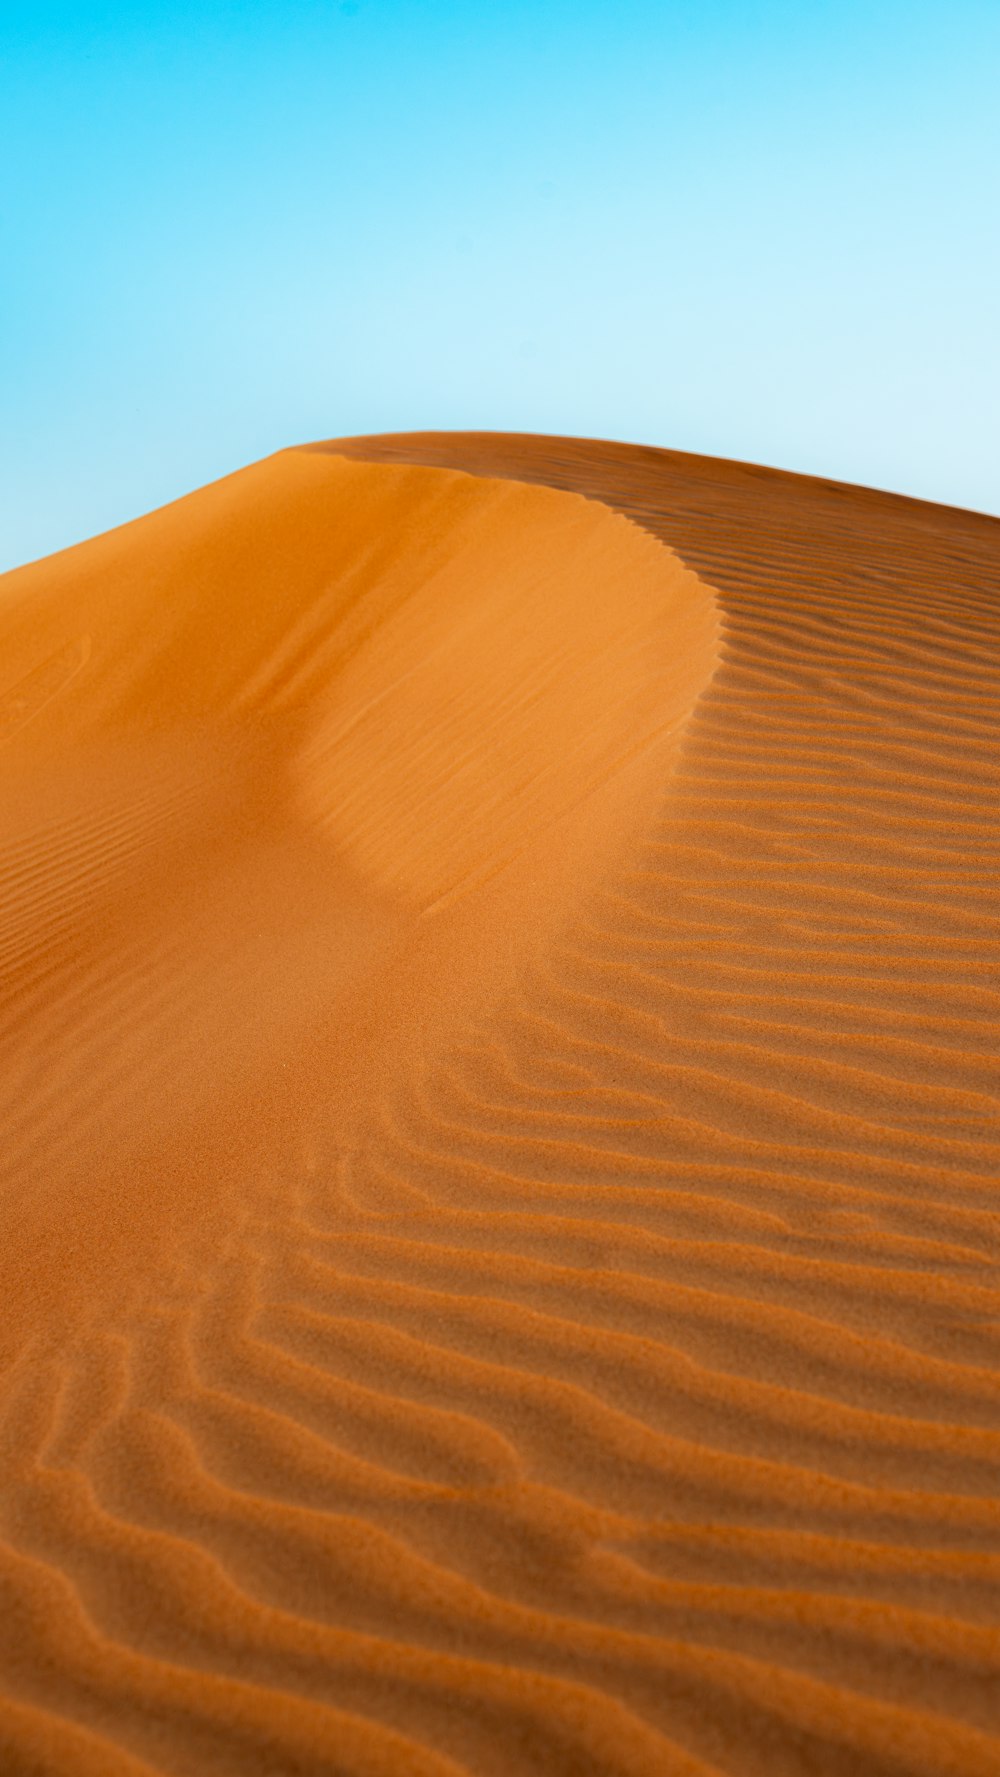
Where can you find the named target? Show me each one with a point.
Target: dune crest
(498, 1234)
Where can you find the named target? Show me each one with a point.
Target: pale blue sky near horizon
(747, 228)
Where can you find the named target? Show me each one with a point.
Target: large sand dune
(498, 1224)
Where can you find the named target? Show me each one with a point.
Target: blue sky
(749, 228)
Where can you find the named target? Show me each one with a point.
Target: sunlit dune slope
(498, 1224)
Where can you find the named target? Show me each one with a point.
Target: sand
(498, 1226)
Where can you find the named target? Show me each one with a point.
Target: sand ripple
(499, 1213)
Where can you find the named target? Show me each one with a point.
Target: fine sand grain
(499, 1089)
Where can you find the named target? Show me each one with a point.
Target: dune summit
(498, 1225)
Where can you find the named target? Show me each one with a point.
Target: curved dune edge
(301, 710)
(589, 1364)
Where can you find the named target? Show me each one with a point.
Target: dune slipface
(498, 1231)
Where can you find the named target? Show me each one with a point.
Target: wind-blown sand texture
(498, 1233)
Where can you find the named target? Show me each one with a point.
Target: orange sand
(498, 1232)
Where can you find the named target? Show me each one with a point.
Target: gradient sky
(744, 227)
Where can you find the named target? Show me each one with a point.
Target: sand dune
(498, 1231)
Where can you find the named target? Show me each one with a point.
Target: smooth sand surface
(498, 1224)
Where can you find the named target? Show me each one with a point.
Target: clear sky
(765, 229)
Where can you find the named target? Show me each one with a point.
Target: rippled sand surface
(499, 1183)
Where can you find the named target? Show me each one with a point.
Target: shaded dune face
(299, 713)
(499, 1231)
